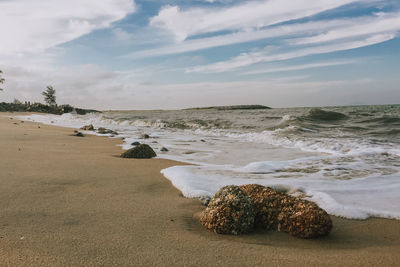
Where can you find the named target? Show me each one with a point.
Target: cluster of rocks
(102, 130)
(236, 210)
(141, 151)
(88, 127)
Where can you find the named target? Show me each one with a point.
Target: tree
(2, 80)
(50, 95)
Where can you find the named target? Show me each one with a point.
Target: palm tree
(50, 95)
(2, 80)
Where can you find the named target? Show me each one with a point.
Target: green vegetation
(50, 96)
(2, 80)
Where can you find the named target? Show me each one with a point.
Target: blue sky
(145, 54)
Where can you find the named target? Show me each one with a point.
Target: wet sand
(66, 200)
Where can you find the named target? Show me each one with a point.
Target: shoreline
(70, 200)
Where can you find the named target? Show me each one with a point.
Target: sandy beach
(71, 201)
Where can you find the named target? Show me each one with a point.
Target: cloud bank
(33, 26)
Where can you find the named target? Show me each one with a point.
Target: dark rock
(279, 211)
(88, 127)
(230, 211)
(205, 200)
(135, 144)
(102, 130)
(144, 136)
(202, 140)
(164, 149)
(142, 151)
(79, 134)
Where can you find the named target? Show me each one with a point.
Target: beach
(67, 200)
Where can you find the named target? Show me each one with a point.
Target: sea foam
(349, 173)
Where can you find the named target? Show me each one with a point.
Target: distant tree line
(50, 99)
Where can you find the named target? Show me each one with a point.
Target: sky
(164, 54)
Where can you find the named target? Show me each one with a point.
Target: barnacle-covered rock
(268, 204)
(279, 211)
(141, 151)
(304, 219)
(230, 211)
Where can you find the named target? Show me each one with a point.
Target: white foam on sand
(375, 196)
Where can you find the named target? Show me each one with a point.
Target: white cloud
(246, 36)
(301, 67)
(247, 59)
(255, 14)
(121, 34)
(383, 23)
(33, 26)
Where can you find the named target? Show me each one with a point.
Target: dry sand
(67, 200)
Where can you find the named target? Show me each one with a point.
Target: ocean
(346, 159)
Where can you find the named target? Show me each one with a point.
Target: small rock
(135, 144)
(230, 211)
(102, 130)
(205, 200)
(144, 136)
(202, 140)
(79, 134)
(164, 149)
(88, 127)
(142, 151)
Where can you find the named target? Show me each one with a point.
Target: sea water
(346, 159)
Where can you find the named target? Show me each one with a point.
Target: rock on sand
(142, 151)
